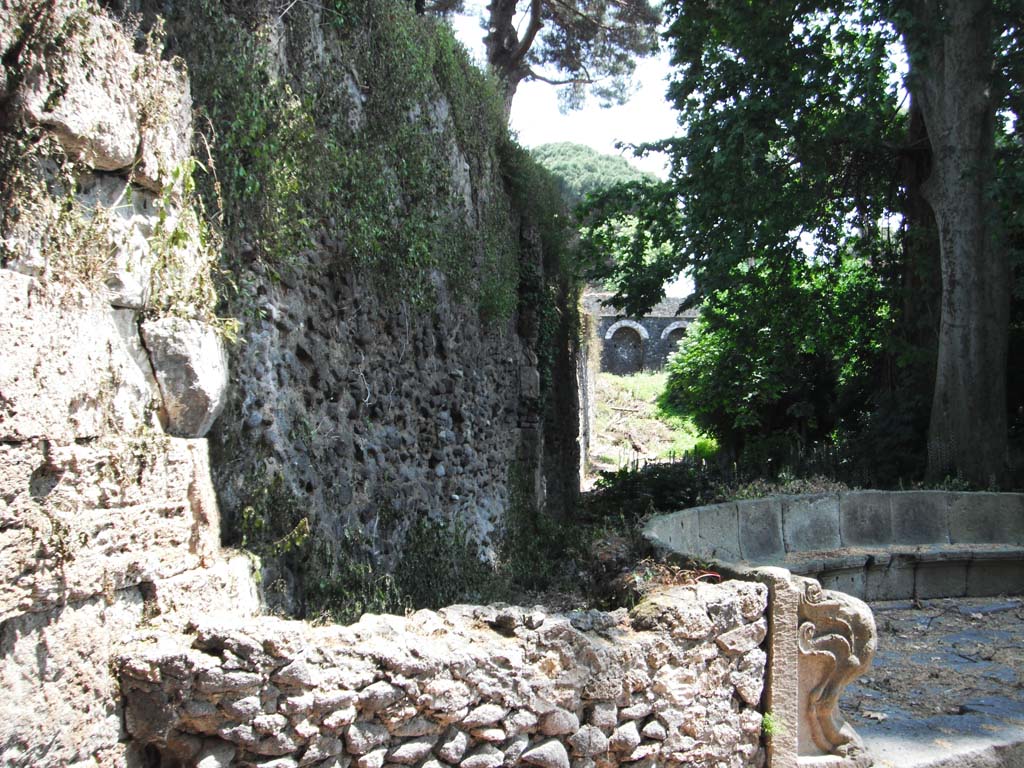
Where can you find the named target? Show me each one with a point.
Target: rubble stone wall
(676, 681)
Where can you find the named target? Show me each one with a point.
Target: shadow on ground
(946, 687)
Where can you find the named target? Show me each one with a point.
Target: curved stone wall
(876, 545)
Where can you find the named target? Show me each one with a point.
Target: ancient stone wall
(107, 514)
(677, 681)
(370, 395)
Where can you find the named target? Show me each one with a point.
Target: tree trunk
(951, 49)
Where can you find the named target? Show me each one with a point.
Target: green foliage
(342, 582)
(635, 492)
(582, 170)
(441, 565)
(363, 166)
(272, 521)
(781, 356)
(578, 46)
(770, 725)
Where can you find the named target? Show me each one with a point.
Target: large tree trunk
(951, 50)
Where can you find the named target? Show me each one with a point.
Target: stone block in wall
(760, 533)
(986, 518)
(865, 518)
(478, 686)
(919, 517)
(71, 367)
(940, 578)
(889, 578)
(61, 705)
(110, 107)
(719, 531)
(811, 523)
(986, 578)
(191, 368)
(85, 520)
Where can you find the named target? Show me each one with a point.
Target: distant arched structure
(619, 324)
(675, 329)
(631, 344)
(625, 348)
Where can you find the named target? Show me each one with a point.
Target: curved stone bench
(875, 545)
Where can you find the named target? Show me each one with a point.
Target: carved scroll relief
(837, 639)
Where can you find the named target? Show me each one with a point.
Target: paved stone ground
(946, 687)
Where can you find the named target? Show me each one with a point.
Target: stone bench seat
(926, 571)
(874, 545)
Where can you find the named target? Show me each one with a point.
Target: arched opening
(626, 351)
(674, 337)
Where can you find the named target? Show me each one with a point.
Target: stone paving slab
(946, 687)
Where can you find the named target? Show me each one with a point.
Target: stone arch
(625, 347)
(619, 324)
(675, 325)
(672, 335)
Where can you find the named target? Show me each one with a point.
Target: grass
(630, 427)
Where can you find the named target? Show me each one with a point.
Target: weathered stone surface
(54, 672)
(672, 681)
(82, 378)
(719, 532)
(588, 741)
(484, 756)
(742, 639)
(626, 738)
(96, 112)
(191, 369)
(109, 106)
(760, 530)
(361, 738)
(453, 747)
(558, 723)
(549, 754)
(604, 714)
(919, 517)
(86, 520)
(485, 714)
(412, 751)
(811, 523)
(986, 518)
(865, 518)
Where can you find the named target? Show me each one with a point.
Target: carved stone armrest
(836, 638)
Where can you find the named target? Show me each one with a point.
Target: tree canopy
(802, 159)
(583, 170)
(579, 46)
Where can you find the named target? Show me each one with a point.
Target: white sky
(647, 116)
(536, 119)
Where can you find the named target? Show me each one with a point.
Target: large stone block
(61, 705)
(719, 532)
(986, 578)
(940, 579)
(811, 523)
(70, 368)
(986, 518)
(865, 519)
(760, 530)
(677, 532)
(919, 517)
(191, 368)
(892, 579)
(77, 521)
(110, 107)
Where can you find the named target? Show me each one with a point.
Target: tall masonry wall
(128, 635)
